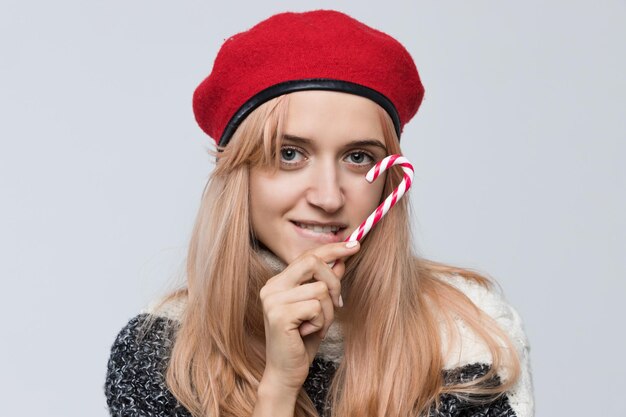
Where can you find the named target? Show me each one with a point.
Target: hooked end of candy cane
(369, 177)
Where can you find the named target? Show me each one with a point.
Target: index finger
(313, 264)
(320, 258)
(331, 252)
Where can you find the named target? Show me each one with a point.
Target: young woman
(279, 317)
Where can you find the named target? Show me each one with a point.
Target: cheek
(266, 204)
(259, 198)
(366, 197)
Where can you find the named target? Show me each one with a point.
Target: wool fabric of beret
(315, 50)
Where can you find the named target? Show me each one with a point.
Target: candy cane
(360, 232)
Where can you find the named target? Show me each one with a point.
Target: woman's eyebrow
(367, 142)
(297, 139)
(359, 142)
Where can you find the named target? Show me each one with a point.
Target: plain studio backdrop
(518, 149)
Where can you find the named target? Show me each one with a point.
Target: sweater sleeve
(135, 379)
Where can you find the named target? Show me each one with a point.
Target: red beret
(316, 50)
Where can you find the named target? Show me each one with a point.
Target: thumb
(312, 344)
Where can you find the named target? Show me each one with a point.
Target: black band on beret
(307, 84)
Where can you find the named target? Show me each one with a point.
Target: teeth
(319, 229)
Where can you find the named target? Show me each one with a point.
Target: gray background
(518, 149)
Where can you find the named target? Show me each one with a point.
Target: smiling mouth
(320, 228)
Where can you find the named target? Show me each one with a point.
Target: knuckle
(268, 302)
(266, 293)
(316, 318)
(272, 280)
(263, 293)
(267, 309)
(273, 314)
(317, 308)
(311, 261)
(320, 287)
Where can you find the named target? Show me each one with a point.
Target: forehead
(321, 115)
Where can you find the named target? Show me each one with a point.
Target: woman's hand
(298, 308)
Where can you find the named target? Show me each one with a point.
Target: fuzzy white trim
(470, 349)
(172, 310)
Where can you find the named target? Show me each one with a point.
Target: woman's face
(319, 195)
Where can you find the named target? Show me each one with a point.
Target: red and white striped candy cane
(391, 200)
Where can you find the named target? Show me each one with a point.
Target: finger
(326, 275)
(329, 253)
(307, 328)
(287, 317)
(312, 290)
(309, 314)
(329, 314)
(332, 279)
(310, 266)
(334, 251)
(328, 310)
(315, 290)
(306, 268)
(311, 344)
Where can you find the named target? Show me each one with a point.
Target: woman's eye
(360, 158)
(290, 155)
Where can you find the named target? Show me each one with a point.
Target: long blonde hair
(392, 321)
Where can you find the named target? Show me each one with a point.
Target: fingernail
(340, 301)
(351, 244)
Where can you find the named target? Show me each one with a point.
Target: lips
(328, 232)
(318, 228)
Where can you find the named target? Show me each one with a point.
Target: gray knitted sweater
(135, 384)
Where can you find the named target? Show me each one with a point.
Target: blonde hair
(393, 358)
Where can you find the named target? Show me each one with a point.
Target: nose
(325, 190)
